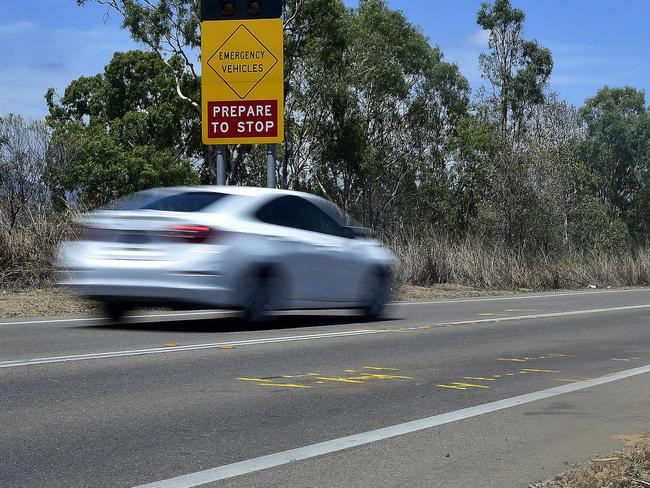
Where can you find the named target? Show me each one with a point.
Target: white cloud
(479, 38)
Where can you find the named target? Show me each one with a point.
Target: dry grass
(478, 265)
(629, 468)
(27, 251)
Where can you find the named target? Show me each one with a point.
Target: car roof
(248, 191)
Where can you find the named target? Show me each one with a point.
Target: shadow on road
(232, 324)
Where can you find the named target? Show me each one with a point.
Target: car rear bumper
(139, 284)
(196, 291)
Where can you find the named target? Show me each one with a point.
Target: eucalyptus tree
(125, 128)
(518, 69)
(617, 151)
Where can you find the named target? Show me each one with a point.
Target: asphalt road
(481, 392)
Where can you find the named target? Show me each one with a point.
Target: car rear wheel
(378, 291)
(115, 311)
(259, 297)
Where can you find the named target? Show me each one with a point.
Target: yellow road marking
(452, 387)
(469, 385)
(568, 380)
(171, 345)
(226, 346)
(284, 385)
(478, 378)
(340, 380)
(621, 359)
(387, 376)
(351, 371)
(380, 369)
(529, 370)
(514, 360)
(254, 379)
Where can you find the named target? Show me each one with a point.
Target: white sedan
(252, 249)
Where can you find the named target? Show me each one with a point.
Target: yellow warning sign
(242, 81)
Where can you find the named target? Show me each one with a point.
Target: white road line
(194, 347)
(524, 297)
(342, 443)
(435, 302)
(307, 337)
(147, 316)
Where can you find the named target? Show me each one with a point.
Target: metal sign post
(271, 180)
(221, 164)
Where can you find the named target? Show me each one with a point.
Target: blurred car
(253, 249)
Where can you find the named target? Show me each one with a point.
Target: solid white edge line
(273, 340)
(281, 458)
(521, 297)
(435, 302)
(92, 319)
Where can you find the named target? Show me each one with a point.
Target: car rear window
(167, 201)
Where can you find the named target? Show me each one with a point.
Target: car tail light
(195, 234)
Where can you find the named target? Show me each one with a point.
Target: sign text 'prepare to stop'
(254, 118)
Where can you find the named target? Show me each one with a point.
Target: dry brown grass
(27, 251)
(478, 265)
(629, 468)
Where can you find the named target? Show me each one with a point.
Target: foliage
(128, 128)
(23, 162)
(518, 69)
(617, 150)
(371, 107)
(376, 120)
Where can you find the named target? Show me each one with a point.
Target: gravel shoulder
(53, 301)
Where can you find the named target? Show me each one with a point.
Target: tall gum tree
(518, 69)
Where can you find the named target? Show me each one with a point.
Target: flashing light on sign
(240, 9)
(254, 8)
(228, 9)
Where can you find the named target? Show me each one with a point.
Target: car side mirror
(358, 233)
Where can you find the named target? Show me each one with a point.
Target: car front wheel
(378, 292)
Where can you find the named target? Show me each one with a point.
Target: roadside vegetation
(500, 186)
(629, 468)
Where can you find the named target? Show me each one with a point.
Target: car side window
(298, 213)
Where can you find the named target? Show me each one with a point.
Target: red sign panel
(246, 118)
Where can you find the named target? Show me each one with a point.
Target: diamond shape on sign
(242, 61)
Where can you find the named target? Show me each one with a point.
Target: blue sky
(48, 43)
